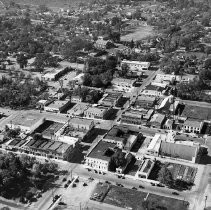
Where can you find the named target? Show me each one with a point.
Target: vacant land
(125, 198)
(165, 203)
(140, 33)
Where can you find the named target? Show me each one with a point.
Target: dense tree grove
(18, 92)
(87, 95)
(99, 73)
(19, 174)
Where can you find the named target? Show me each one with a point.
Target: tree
(207, 63)
(165, 176)
(22, 60)
(125, 69)
(42, 8)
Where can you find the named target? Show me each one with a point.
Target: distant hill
(49, 3)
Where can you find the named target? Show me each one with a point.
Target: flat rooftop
(49, 128)
(146, 98)
(154, 87)
(26, 119)
(97, 109)
(135, 113)
(78, 109)
(101, 150)
(57, 104)
(80, 121)
(53, 146)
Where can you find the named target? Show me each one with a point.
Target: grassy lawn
(165, 203)
(125, 198)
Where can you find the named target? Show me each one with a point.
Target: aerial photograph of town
(105, 104)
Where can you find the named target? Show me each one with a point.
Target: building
(99, 157)
(123, 84)
(136, 66)
(168, 105)
(168, 124)
(57, 106)
(157, 120)
(54, 74)
(76, 99)
(145, 169)
(146, 102)
(136, 117)
(27, 122)
(98, 112)
(161, 77)
(186, 151)
(74, 130)
(78, 109)
(154, 145)
(122, 137)
(81, 124)
(49, 128)
(44, 148)
(102, 44)
(110, 99)
(153, 90)
(193, 126)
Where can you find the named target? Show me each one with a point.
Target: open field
(160, 202)
(138, 34)
(125, 198)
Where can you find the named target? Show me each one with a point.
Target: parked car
(140, 186)
(175, 193)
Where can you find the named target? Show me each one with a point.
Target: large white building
(193, 125)
(57, 106)
(136, 66)
(27, 123)
(99, 157)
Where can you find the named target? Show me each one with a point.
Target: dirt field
(140, 33)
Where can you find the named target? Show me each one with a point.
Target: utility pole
(205, 202)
